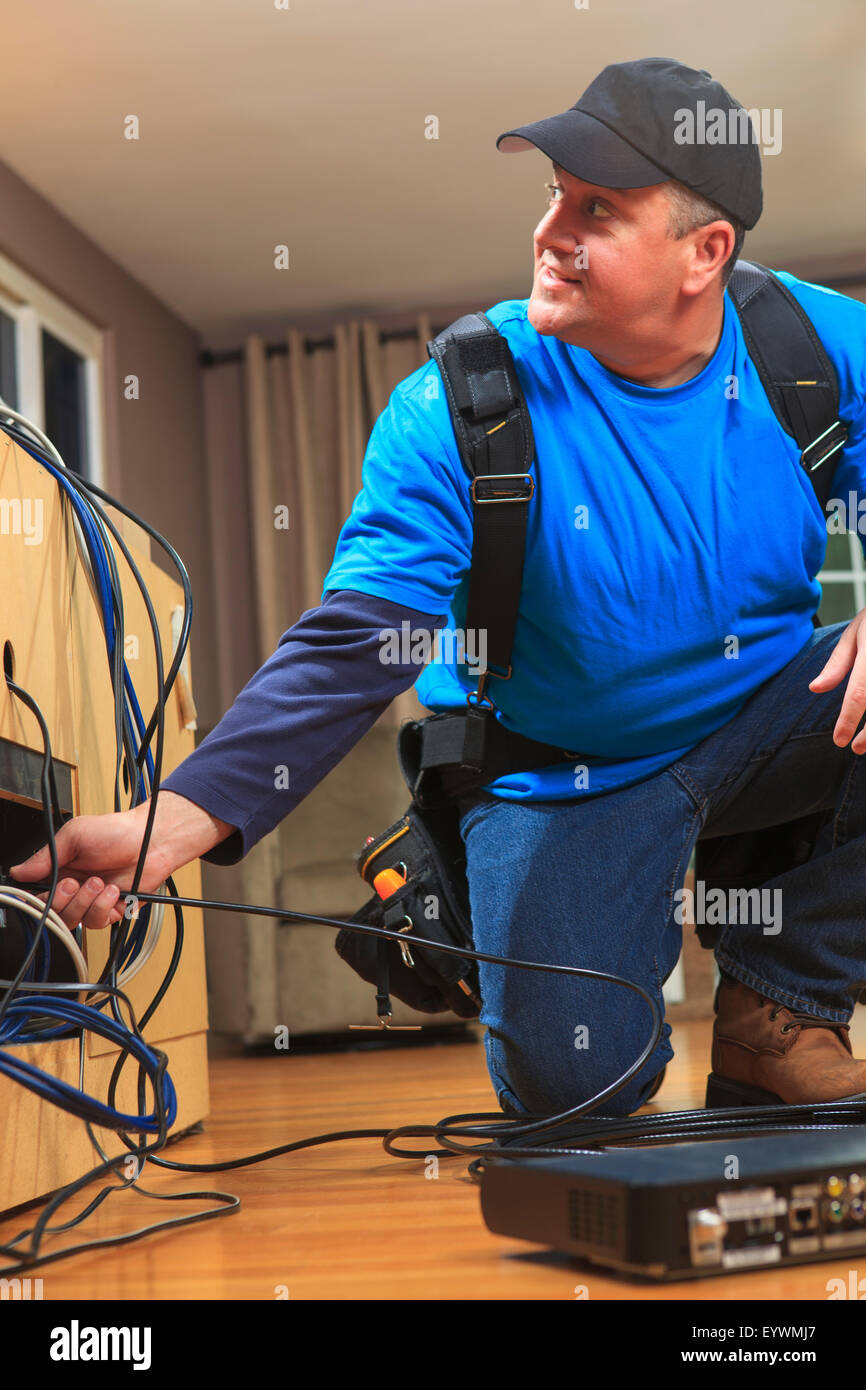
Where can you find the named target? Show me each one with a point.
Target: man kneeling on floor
(665, 629)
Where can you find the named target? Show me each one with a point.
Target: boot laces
(809, 1021)
(803, 1020)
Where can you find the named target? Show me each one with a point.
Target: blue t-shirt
(672, 544)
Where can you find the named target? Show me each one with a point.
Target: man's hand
(849, 654)
(98, 854)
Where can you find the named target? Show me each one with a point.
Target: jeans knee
(539, 1082)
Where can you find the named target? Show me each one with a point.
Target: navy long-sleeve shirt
(322, 688)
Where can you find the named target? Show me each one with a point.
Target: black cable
(103, 523)
(650, 1129)
(668, 1127)
(502, 1137)
(50, 803)
(122, 736)
(169, 975)
(163, 687)
(50, 808)
(183, 639)
(579, 972)
(30, 1258)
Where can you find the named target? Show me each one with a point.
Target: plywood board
(52, 617)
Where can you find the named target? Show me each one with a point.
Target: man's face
(607, 271)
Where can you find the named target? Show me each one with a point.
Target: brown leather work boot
(767, 1054)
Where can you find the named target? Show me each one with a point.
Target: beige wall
(155, 460)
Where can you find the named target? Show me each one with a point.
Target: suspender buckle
(477, 696)
(495, 487)
(827, 444)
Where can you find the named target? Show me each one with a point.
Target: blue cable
(100, 567)
(97, 555)
(139, 719)
(66, 1096)
(136, 938)
(77, 1015)
(101, 572)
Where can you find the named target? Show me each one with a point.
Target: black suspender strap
(795, 371)
(442, 755)
(494, 437)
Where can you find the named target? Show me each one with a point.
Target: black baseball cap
(622, 133)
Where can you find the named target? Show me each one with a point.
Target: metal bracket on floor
(384, 1025)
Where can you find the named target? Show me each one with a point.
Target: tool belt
(441, 758)
(446, 755)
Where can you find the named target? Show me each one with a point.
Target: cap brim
(587, 148)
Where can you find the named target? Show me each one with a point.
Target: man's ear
(711, 247)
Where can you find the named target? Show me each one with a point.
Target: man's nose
(553, 230)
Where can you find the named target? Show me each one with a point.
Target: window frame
(855, 575)
(34, 307)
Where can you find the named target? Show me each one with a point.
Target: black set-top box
(680, 1211)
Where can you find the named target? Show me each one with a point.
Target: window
(51, 369)
(843, 579)
(64, 388)
(8, 360)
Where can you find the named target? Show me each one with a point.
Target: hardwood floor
(347, 1221)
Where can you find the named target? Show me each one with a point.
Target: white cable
(28, 902)
(154, 928)
(34, 430)
(34, 907)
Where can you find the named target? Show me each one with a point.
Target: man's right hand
(97, 856)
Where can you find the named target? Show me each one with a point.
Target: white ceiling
(305, 126)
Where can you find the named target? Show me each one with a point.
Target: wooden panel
(52, 616)
(36, 602)
(184, 1009)
(50, 1146)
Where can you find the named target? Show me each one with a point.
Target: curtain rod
(386, 335)
(216, 359)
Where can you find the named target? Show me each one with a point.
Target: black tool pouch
(442, 757)
(426, 849)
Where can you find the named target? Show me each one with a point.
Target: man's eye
(596, 208)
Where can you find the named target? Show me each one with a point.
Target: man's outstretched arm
(322, 688)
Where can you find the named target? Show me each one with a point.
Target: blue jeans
(595, 883)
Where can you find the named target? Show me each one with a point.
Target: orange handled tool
(388, 881)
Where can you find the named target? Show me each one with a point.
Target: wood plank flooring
(348, 1222)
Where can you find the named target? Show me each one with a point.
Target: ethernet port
(759, 1229)
(803, 1214)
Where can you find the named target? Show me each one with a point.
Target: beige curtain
(309, 416)
(306, 418)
